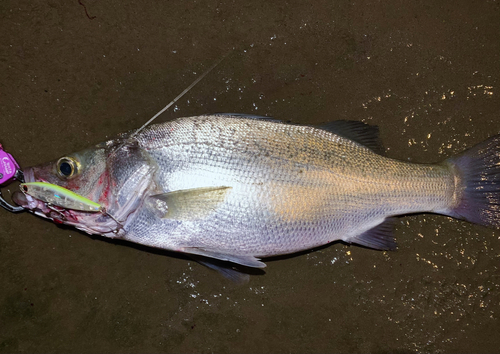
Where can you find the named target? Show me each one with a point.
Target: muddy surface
(74, 73)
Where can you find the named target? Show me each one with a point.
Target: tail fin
(478, 187)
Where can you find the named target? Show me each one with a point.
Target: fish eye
(67, 167)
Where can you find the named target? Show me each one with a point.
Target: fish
(239, 189)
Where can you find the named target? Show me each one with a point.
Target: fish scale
(302, 184)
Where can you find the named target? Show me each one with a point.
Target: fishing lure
(9, 170)
(59, 196)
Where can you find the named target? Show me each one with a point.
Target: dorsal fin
(362, 133)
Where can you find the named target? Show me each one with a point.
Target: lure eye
(67, 167)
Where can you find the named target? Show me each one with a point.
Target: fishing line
(179, 96)
(161, 111)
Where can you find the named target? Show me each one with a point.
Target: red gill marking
(73, 185)
(104, 185)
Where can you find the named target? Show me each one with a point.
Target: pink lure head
(8, 166)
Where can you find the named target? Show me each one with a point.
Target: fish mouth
(20, 198)
(27, 201)
(57, 214)
(91, 223)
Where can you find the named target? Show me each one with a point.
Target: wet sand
(75, 73)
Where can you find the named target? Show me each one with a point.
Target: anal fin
(379, 237)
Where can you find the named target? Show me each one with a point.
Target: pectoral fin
(227, 272)
(191, 204)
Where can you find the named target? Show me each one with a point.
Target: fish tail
(477, 183)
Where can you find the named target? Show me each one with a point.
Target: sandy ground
(74, 73)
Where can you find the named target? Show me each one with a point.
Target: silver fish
(238, 189)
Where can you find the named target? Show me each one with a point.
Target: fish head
(116, 174)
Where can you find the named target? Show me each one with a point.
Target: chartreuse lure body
(59, 196)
